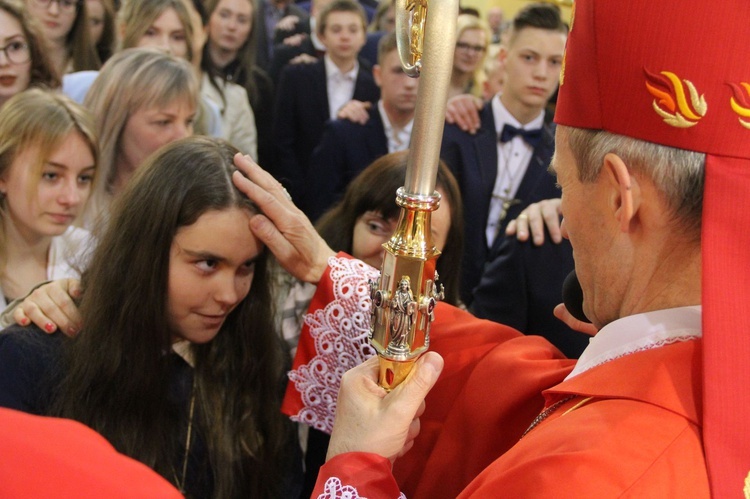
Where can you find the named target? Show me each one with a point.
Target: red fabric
(628, 69)
(370, 472)
(615, 48)
(639, 436)
(726, 323)
(59, 458)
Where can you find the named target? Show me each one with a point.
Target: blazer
(520, 286)
(300, 115)
(264, 53)
(345, 149)
(473, 160)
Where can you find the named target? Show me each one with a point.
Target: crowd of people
(195, 193)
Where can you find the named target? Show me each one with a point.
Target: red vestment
(57, 458)
(632, 428)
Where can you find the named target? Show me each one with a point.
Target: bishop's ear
(625, 190)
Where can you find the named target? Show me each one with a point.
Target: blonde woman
(141, 100)
(168, 25)
(48, 162)
(472, 40)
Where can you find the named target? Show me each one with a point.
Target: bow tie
(532, 137)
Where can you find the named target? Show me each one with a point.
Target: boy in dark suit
(310, 94)
(503, 167)
(348, 147)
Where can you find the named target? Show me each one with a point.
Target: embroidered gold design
(740, 102)
(671, 99)
(746, 490)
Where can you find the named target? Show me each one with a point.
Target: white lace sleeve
(340, 332)
(334, 489)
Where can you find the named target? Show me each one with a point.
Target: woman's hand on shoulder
(51, 307)
(282, 227)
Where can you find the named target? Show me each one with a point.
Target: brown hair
(119, 380)
(42, 72)
(340, 6)
(374, 189)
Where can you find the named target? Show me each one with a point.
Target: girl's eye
(49, 176)
(206, 265)
(85, 179)
(247, 269)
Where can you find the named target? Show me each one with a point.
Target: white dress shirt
(398, 138)
(640, 332)
(513, 159)
(340, 85)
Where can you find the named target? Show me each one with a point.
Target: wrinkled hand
(534, 218)
(295, 41)
(463, 111)
(576, 325)
(51, 307)
(282, 227)
(370, 420)
(287, 23)
(303, 59)
(355, 111)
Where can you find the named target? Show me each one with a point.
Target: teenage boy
(347, 147)
(503, 167)
(310, 94)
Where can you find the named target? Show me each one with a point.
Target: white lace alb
(340, 332)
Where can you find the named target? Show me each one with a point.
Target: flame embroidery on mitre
(740, 102)
(671, 99)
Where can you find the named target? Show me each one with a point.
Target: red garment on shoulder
(60, 458)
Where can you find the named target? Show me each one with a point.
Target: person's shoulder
(76, 85)
(299, 72)
(28, 338)
(76, 235)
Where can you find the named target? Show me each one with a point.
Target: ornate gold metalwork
(407, 291)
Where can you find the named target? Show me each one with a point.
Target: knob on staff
(404, 297)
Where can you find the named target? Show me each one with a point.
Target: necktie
(532, 137)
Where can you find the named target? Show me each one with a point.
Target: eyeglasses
(17, 52)
(469, 47)
(64, 5)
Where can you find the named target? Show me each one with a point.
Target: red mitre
(677, 73)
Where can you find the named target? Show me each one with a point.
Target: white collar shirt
(513, 159)
(398, 138)
(640, 332)
(340, 85)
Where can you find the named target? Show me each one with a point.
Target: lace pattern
(334, 489)
(340, 332)
(639, 348)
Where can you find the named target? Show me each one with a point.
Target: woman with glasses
(23, 62)
(472, 40)
(65, 28)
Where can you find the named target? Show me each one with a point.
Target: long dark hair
(374, 189)
(117, 370)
